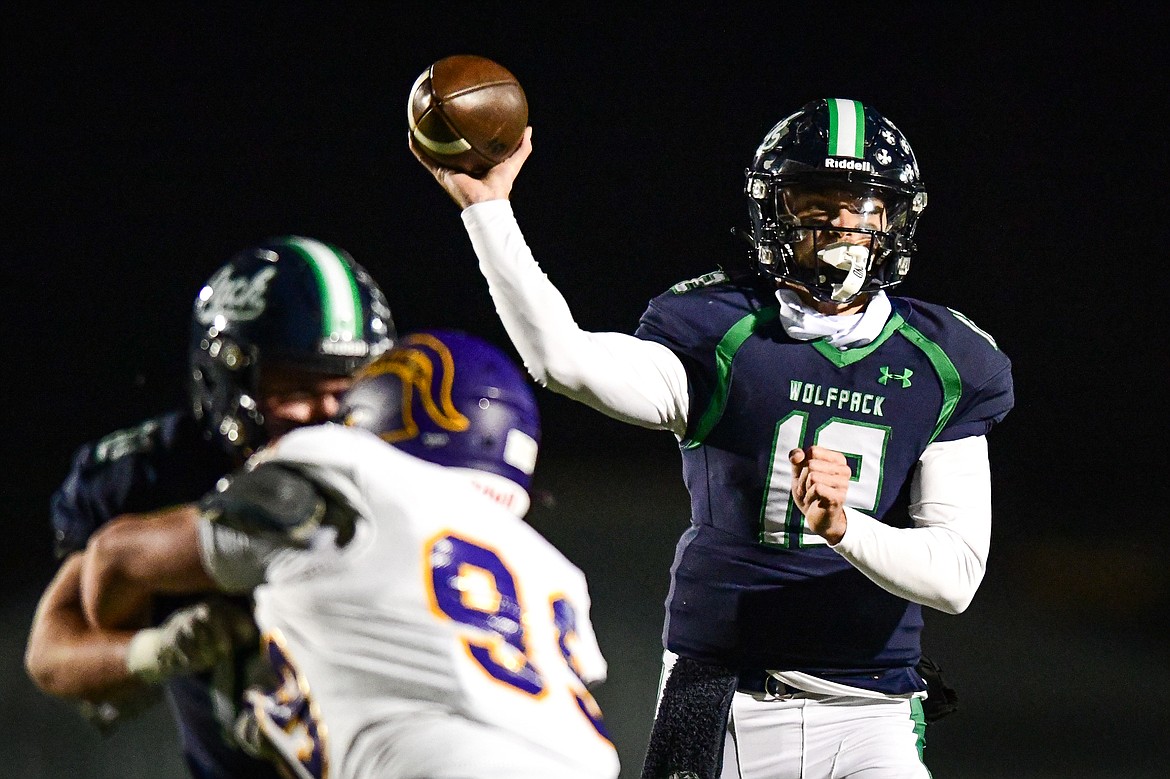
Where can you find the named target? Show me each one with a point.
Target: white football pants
(811, 736)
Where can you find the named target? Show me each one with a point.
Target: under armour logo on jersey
(903, 377)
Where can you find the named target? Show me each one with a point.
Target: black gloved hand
(941, 697)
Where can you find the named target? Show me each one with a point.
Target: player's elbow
(55, 623)
(955, 598)
(52, 678)
(48, 667)
(42, 673)
(953, 603)
(956, 567)
(560, 376)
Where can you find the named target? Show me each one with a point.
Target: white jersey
(447, 639)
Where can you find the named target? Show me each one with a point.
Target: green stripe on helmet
(846, 128)
(341, 305)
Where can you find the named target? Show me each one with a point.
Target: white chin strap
(850, 258)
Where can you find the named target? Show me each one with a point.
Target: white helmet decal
(235, 297)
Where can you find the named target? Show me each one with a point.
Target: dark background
(141, 148)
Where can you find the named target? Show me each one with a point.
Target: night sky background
(142, 148)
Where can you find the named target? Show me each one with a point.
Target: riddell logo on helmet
(848, 164)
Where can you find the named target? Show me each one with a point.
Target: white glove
(191, 639)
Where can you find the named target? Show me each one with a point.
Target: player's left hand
(465, 190)
(191, 639)
(820, 480)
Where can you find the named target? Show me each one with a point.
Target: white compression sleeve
(625, 377)
(941, 560)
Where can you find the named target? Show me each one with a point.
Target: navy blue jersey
(751, 587)
(164, 461)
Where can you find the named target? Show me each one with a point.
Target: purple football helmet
(450, 398)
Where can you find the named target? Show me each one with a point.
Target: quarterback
(833, 440)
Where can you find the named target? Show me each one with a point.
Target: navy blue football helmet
(852, 158)
(450, 398)
(292, 301)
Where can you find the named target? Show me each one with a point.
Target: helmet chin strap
(852, 259)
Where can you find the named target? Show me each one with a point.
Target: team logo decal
(235, 297)
(775, 135)
(413, 364)
(903, 377)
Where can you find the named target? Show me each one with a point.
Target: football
(467, 112)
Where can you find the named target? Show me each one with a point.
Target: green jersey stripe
(724, 354)
(340, 299)
(846, 128)
(948, 374)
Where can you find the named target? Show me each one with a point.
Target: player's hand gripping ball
(467, 112)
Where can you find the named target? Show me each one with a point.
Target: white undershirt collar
(841, 331)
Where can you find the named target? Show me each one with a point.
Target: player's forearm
(625, 377)
(66, 656)
(941, 561)
(931, 566)
(81, 661)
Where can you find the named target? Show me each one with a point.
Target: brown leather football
(467, 112)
